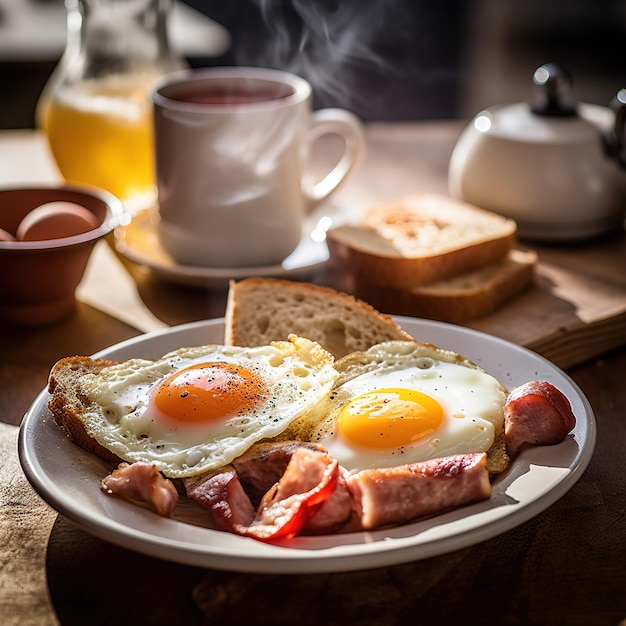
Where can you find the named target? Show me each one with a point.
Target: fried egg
(404, 402)
(196, 409)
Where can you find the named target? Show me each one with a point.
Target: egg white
(123, 418)
(471, 399)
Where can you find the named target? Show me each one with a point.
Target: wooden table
(567, 565)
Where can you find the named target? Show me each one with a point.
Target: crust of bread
(67, 404)
(462, 298)
(420, 239)
(261, 310)
(497, 457)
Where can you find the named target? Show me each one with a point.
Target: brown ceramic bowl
(38, 278)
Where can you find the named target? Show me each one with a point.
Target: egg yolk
(209, 391)
(389, 418)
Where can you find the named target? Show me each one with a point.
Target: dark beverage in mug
(226, 94)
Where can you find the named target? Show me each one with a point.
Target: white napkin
(108, 287)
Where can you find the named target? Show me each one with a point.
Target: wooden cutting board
(576, 309)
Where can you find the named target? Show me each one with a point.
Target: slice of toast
(418, 240)
(261, 310)
(464, 297)
(68, 404)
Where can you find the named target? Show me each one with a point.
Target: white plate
(138, 241)
(68, 478)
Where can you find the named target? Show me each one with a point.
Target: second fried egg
(404, 402)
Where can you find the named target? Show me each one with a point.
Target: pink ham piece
(334, 512)
(262, 466)
(536, 413)
(229, 504)
(142, 482)
(397, 495)
(309, 480)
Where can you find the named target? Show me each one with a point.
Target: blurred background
(386, 60)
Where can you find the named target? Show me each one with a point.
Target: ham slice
(334, 512)
(397, 495)
(223, 495)
(264, 464)
(536, 413)
(309, 480)
(142, 482)
(315, 495)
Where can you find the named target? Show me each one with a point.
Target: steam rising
(330, 38)
(333, 44)
(382, 59)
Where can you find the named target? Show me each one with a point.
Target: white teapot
(557, 168)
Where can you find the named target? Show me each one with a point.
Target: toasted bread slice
(68, 404)
(462, 298)
(420, 239)
(261, 310)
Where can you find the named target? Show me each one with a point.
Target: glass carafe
(95, 109)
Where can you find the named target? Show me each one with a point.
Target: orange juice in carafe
(100, 133)
(95, 110)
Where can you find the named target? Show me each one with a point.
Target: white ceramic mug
(232, 147)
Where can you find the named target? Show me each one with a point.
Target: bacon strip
(262, 465)
(224, 496)
(397, 495)
(536, 413)
(309, 480)
(334, 512)
(142, 482)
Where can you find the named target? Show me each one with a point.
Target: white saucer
(138, 242)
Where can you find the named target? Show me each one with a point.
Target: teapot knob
(552, 92)
(616, 139)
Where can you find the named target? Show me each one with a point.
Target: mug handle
(345, 124)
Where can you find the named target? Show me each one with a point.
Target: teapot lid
(553, 87)
(552, 117)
